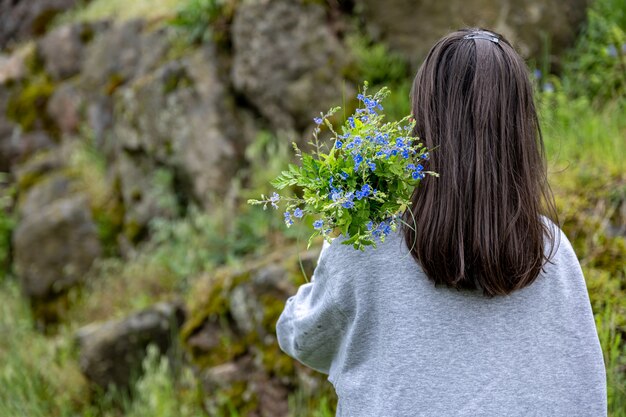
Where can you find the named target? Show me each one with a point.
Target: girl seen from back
(477, 306)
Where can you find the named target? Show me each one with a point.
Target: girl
(478, 306)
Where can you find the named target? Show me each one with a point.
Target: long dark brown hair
(479, 225)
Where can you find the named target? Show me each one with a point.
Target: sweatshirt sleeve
(311, 327)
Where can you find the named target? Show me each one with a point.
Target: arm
(311, 327)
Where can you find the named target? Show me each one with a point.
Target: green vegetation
(583, 116)
(7, 223)
(95, 10)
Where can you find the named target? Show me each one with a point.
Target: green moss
(27, 105)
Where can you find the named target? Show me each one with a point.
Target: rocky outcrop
(231, 334)
(411, 27)
(111, 353)
(56, 240)
(123, 52)
(23, 19)
(62, 49)
(287, 62)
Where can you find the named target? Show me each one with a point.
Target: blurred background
(134, 278)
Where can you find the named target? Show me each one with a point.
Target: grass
(121, 10)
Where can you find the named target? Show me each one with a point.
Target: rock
(38, 166)
(17, 146)
(55, 244)
(122, 52)
(55, 186)
(239, 308)
(100, 120)
(286, 61)
(14, 67)
(22, 19)
(412, 27)
(270, 394)
(111, 353)
(64, 107)
(180, 116)
(62, 50)
(147, 192)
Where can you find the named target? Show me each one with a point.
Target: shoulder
(346, 258)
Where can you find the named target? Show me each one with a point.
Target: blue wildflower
(347, 204)
(338, 144)
(344, 176)
(351, 122)
(417, 175)
(357, 141)
(369, 225)
(371, 165)
(405, 154)
(274, 199)
(426, 156)
(288, 220)
(317, 224)
(318, 120)
(366, 190)
(298, 213)
(358, 158)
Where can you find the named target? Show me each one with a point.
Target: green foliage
(596, 67)
(203, 19)
(576, 133)
(7, 223)
(95, 10)
(27, 104)
(38, 378)
(376, 63)
(160, 393)
(344, 185)
(380, 66)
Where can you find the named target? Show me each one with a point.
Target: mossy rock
(27, 104)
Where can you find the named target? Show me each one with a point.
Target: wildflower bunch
(358, 182)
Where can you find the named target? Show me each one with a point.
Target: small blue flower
(318, 120)
(369, 225)
(357, 141)
(318, 224)
(335, 195)
(372, 165)
(405, 154)
(537, 73)
(274, 199)
(351, 122)
(426, 156)
(298, 213)
(347, 204)
(338, 144)
(358, 158)
(417, 175)
(343, 175)
(288, 220)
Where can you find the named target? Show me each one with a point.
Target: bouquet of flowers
(358, 182)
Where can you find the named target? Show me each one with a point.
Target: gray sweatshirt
(394, 345)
